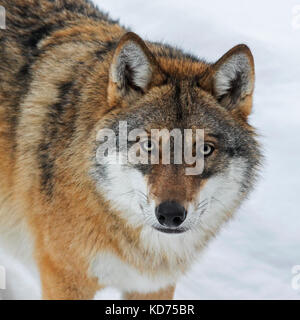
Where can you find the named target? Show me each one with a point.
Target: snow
(253, 256)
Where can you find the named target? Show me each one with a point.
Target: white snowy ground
(253, 256)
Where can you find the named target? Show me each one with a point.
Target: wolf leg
(64, 282)
(163, 294)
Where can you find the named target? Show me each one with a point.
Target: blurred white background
(253, 256)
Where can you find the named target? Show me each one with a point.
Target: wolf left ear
(231, 80)
(133, 71)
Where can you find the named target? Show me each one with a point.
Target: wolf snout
(170, 214)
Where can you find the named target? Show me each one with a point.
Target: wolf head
(152, 87)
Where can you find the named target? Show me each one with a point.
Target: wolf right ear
(133, 71)
(231, 80)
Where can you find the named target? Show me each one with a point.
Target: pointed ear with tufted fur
(231, 80)
(133, 70)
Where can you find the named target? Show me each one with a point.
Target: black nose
(170, 214)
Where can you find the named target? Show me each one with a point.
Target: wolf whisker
(126, 193)
(202, 204)
(223, 205)
(142, 194)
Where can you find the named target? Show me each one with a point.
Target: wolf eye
(207, 149)
(148, 145)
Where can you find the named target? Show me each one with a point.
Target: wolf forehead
(183, 105)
